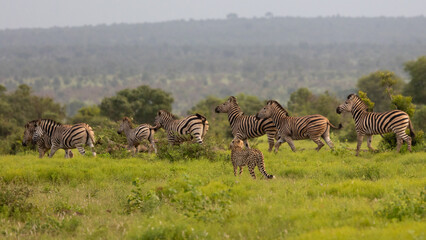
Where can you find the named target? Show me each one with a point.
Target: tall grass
(316, 195)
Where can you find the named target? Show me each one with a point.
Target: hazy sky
(49, 13)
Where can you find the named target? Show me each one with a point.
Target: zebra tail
(338, 128)
(91, 134)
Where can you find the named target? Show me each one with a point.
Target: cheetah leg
(369, 141)
(235, 169)
(241, 170)
(251, 167)
(360, 137)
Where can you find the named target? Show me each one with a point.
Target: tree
(300, 102)
(417, 86)
(376, 84)
(141, 103)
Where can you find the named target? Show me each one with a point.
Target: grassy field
(325, 195)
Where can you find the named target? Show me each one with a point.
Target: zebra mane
(169, 114)
(270, 102)
(52, 121)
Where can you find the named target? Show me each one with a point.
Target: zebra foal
(373, 123)
(65, 136)
(181, 130)
(136, 135)
(297, 128)
(244, 127)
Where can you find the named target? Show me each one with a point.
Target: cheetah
(241, 156)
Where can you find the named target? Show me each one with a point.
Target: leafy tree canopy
(141, 103)
(417, 86)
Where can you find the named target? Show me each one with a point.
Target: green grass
(324, 195)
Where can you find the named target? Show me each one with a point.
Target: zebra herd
(272, 120)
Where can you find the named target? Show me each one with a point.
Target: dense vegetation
(266, 57)
(325, 195)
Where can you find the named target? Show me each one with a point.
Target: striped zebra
(181, 130)
(297, 128)
(373, 123)
(43, 144)
(65, 136)
(136, 135)
(244, 127)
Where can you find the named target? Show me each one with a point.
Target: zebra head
(236, 144)
(38, 131)
(126, 123)
(266, 111)
(347, 105)
(29, 132)
(226, 106)
(162, 117)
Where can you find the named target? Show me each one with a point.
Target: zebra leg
(278, 143)
(326, 137)
(408, 141)
(290, 143)
(318, 142)
(251, 167)
(359, 142)
(246, 144)
(270, 141)
(369, 140)
(80, 149)
(399, 142)
(41, 152)
(92, 147)
(53, 149)
(66, 153)
(153, 146)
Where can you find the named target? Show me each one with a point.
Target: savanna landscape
(188, 190)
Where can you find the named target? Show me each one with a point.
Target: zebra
(65, 136)
(244, 127)
(297, 128)
(43, 144)
(180, 130)
(373, 123)
(136, 135)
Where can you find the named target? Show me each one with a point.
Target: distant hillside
(267, 57)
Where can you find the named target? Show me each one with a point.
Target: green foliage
(141, 103)
(419, 117)
(190, 151)
(417, 86)
(366, 100)
(379, 85)
(388, 141)
(402, 205)
(300, 102)
(14, 201)
(92, 116)
(404, 104)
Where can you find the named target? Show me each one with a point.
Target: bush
(14, 201)
(402, 205)
(389, 141)
(191, 150)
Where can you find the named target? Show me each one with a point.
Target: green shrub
(402, 205)
(389, 141)
(14, 201)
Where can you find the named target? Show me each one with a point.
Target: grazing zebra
(243, 126)
(43, 144)
(297, 128)
(373, 123)
(65, 136)
(136, 135)
(180, 130)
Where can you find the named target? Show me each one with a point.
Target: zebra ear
(37, 123)
(159, 113)
(232, 99)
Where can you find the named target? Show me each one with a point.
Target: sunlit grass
(315, 195)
